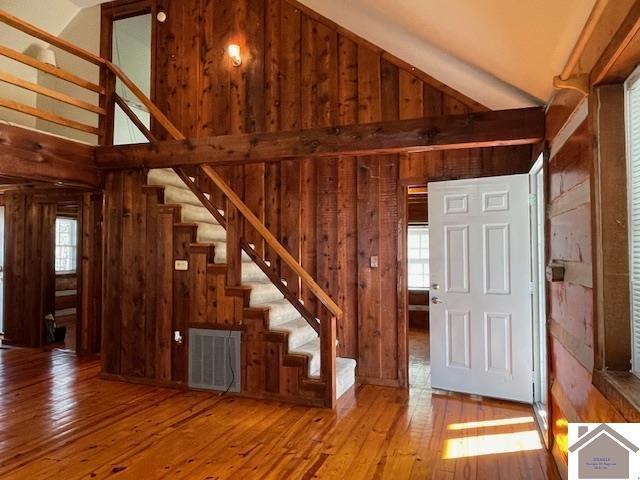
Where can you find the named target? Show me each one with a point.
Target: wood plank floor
(59, 420)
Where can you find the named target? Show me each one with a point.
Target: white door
(480, 312)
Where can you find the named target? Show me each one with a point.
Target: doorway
(1, 271)
(66, 260)
(481, 331)
(417, 248)
(539, 303)
(131, 51)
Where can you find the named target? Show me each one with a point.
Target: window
(418, 256)
(66, 244)
(632, 116)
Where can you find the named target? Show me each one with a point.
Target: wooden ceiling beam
(472, 130)
(33, 155)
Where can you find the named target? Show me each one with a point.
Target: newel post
(328, 332)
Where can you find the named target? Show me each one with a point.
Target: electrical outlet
(374, 261)
(182, 265)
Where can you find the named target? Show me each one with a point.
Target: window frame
(73, 247)
(632, 82)
(612, 346)
(425, 227)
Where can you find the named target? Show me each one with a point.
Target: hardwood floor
(59, 420)
(419, 359)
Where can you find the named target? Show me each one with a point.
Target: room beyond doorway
(418, 286)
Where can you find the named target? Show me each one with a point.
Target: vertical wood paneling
(346, 204)
(388, 218)
(326, 171)
(272, 101)
(151, 273)
(134, 291)
(113, 273)
(333, 215)
(15, 208)
(164, 302)
(308, 182)
(369, 293)
(254, 175)
(411, 106)
(290, 98)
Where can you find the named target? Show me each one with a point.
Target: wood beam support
(33, 155)
(448, 132)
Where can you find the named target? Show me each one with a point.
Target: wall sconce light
(234, 54)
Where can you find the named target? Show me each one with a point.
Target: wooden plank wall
(29, 277)
(571, 310)
(300, 70)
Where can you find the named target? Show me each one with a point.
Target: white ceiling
(53, 19)
(503, 53)
(89, 3)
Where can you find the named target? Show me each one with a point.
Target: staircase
(289, 353)
(283, 317)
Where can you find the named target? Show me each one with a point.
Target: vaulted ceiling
(503, 53)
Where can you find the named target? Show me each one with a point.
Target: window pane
(418, 256)
(66, 244)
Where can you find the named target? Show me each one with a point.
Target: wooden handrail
(237, 202)
(47, 92)
(50, 69)
(49, 117)
(327, 329)
(153, 110)
(272, 241)
(246, 247)
(40, 34)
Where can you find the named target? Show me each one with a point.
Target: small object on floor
(50, 326)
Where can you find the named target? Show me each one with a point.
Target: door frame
(541, 165)
(403, 287)
(110, 13)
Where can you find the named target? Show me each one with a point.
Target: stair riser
(302, 339)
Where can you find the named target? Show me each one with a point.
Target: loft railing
(238, 214)
(32, 111)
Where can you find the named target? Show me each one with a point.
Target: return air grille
(214, 359)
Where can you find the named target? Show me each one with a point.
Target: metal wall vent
(214, 359)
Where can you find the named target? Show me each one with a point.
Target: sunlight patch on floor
(477, 445)
(490, 423)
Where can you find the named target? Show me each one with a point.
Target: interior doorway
(539, 304)
(131, 51)
(417, 249)
(1, 271)
(66, 261)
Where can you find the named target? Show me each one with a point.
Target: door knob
(435, 286)
(435, 300)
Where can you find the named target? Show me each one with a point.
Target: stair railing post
(234, 249)
(328, 332)
(107, 101)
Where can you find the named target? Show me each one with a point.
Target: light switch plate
(374, 261)
(182, 265)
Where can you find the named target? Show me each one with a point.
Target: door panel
(481, 332)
